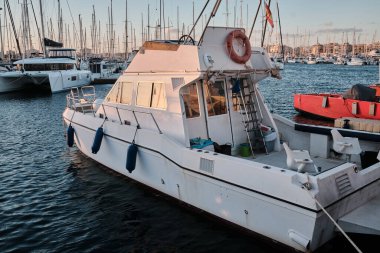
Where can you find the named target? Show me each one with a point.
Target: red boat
(359, 101)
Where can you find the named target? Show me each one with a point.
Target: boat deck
(278, 159)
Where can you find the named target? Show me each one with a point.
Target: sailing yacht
(57, 72)
(190, 121)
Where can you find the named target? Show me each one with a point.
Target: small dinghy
(359, 101)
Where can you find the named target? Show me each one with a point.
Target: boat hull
(16, 81)
(176, 171)
(53, 81)
(331, 106)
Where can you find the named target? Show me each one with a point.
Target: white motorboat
(356, 61)
(103, 71)
(190, 121)
(311, 60)
(57, 72)
(341, 61)
(277, 63)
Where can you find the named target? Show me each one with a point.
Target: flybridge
(211, 55)
(62, 53)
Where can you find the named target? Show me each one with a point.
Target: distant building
(374, 46)
(359, 49)
(277, 49)
(329, 49)
(317, 49)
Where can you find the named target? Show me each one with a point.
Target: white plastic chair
(299, 160)
(345, 145)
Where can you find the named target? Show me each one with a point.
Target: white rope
(336, 224)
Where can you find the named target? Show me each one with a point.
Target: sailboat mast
(177, 22)
(148, 36)
(142, 29)
(227, 13)
(213, 13)
(38, 29)
(59, 21)
(163, 17)
(193, 21)
(80, 35)
(126, 30)
(160, 20)
(14, 28)
(112, 34)
(265, 27)
(1, 40)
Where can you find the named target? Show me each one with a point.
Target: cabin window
(54, 67)
(151, 95)
(126, 93)
(95, 68)
(215, 98)
(113, 95)
(46, 67)
(189, 95)
(121, 92)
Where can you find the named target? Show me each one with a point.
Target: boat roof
(61, 49)
(40, 60)
(210, 56)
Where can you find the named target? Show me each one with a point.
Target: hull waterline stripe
(230, 183)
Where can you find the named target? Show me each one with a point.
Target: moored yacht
(277, 63)
(190, 121)
(103, 71)
(356, 61)
(57, 72)
(311, 60)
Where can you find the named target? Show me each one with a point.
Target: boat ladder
(245, 98)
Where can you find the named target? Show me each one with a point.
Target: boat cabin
(62, 53)
(58, 59)
(197, 97)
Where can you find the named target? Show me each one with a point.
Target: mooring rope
(332, 219)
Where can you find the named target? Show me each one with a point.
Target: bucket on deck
(245, 150)
(270, 140)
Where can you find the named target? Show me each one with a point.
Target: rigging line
(265, 27)
(282, 44)
(38, 29)
(213, 13)
(75, 30)
(14, 28)
(254, 21)
(204, 7)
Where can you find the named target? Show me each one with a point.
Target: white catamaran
(189, 121)
(57, 72)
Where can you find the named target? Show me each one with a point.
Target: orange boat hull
(334, 106)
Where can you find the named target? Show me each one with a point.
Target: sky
(302, 21)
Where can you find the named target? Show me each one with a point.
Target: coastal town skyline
(304, 23)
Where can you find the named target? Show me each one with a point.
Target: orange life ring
(231, 52)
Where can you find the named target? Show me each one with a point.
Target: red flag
(268, 15)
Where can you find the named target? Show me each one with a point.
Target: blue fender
(97, 140)
(131, 157)
(70, 136)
